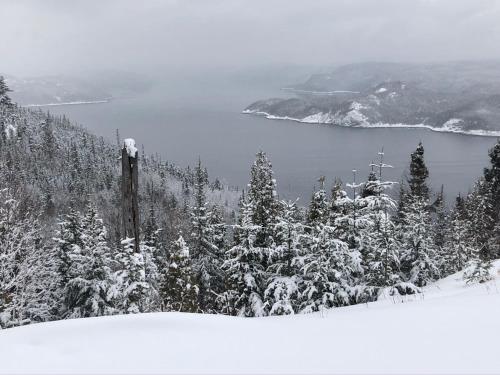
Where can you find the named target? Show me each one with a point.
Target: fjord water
(185, 120)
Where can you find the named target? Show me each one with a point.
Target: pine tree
(90, 289)
(28, 281)
(379, 243)
(440, 220)
(178, 289)
(318, 212)
(492, 177)
(153, 253)
(420, 259)
(478, 269)
(262, 200)
(49, 142)
(329, 268)
(479, 205)
(245, 271)
(4, 90)
(68, 241)
(207, 256)
(282, 292)
(420, 256)
(418, 174)
(131, 278)
(458, 248)
(255, 238)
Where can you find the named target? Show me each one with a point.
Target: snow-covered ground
(451, 328)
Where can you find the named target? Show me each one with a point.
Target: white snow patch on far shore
(68, 103)
(354, 114)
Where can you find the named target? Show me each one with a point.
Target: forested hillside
(63, 253)
(458, 97)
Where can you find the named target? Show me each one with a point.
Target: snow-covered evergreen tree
(479, 206)
(255, 239)
(420, 258)
(207, 256)
(28, 279)
(90, 289)
(131, 278)
(4, 90)
(318, 212)
(284, 282)
(492, 178)
(418, 174)
(419, 253)
(245, 270)
(153, 253)
(328, 269)
(262, 200)
(178, 288)
(379, 242)
(458, 248)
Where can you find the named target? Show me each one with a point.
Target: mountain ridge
(455, 97)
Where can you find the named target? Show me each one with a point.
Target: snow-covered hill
(450, 97)
(451, 328)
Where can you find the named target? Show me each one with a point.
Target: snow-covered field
(451, 328)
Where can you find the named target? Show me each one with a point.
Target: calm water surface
(182, 124)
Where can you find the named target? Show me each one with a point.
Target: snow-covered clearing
(452, 328)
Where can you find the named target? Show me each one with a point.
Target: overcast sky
(48, 36)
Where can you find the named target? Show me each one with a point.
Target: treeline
(63, 256)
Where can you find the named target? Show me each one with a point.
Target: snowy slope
(452, 328)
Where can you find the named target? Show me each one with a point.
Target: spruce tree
(329, 270)
(284, 282)
(379, 243)
(420, 258)
(178, 288)
(90, 289)
(492, 177)
(262, 200)
(153, 253)
(458, 248)
(318, 212)
(245, 270)
(206, 255)
(418, 174)
(29, 286)
(131, 278)
(4, 90)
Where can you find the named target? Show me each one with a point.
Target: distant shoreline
(68, 103)
(327, 93)
(478, 133)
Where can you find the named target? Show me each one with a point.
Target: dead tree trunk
(130, 185)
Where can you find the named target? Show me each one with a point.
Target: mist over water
(204, 120)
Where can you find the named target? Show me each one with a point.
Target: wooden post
(130, 186)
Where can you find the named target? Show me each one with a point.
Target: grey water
(182, 122)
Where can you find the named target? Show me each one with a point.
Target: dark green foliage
(418, 174)
(178, 289)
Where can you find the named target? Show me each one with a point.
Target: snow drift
(451, 328)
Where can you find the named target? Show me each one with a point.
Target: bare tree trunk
(130, 204)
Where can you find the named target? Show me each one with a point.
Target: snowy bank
(361, 121)
(452, 328)
(69, 103)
